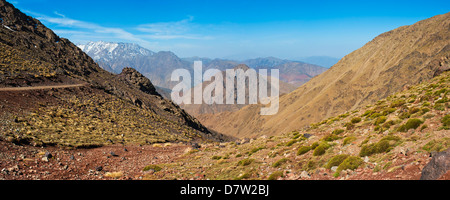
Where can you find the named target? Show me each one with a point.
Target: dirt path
(9, 89)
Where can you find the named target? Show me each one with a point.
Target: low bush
(356, 120)
(337, 131)
(410, 124)
(155, 168)
(275, 175)
(280, 162)
(437, 145)
(330, 137)
(398, 103)
(446, 122)
(351, 162)
(245, 162)
(321, 149)
(314, 145)
(336, 161)
(382, 146)
(348, 140)
(303, 149)
(380, 120)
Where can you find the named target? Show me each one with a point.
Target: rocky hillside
(402, 137)
(393, 139)
(87, 105)
(389, 63)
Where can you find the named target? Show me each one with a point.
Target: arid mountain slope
(405, 56)
(197, 109)
(107, 109)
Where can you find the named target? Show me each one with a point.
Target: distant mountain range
(158, 66)
(391, 62)
(324, 61)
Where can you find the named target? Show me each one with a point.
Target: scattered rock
(439, 165)
(48, 155)
(245, 140)
(98, 168)
(113, 154)
(334, 169)
(366, 159)
(196, 146)
(305, 175)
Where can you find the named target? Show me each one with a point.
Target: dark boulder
(438, 166)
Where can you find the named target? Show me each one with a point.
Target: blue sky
(232, 28)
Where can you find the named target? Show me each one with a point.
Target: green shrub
(245, 162)
(330, 137)
(388, 111)
(275, 175)
(352, 162)
(367, 113)
(382, 146)
(439, 106)
(443, 100)
(280, 162)
(337, 131)
(314, 145)
(290, 143)
(404, 115)
(437, 145)
(310, 165)
(388, 124)
(348, 140)
(216, 157)
(446, 122)
(425, 110)
(336, 161)
(410, 124)
(356, 120)
(380, 120)
(349, 125)
(423, 127)
(155, 168)
(398, 103)
(243, 176)
(254, 150)
(344, 115)
(375, 115)
(414, 110)
(303, 149)
(321, 149)
(439, 92)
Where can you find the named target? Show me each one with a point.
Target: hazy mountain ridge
(159, 66)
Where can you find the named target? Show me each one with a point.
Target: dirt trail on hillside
(9, 89)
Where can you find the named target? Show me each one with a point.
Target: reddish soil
(28, 163)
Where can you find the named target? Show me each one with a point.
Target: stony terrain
(375, 143)
(106, 109)
(63, 117)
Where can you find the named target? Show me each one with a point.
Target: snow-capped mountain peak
(106, 51)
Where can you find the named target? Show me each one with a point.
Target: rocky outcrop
(137, 79)
(438, 166)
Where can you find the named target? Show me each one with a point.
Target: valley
(100, 111)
